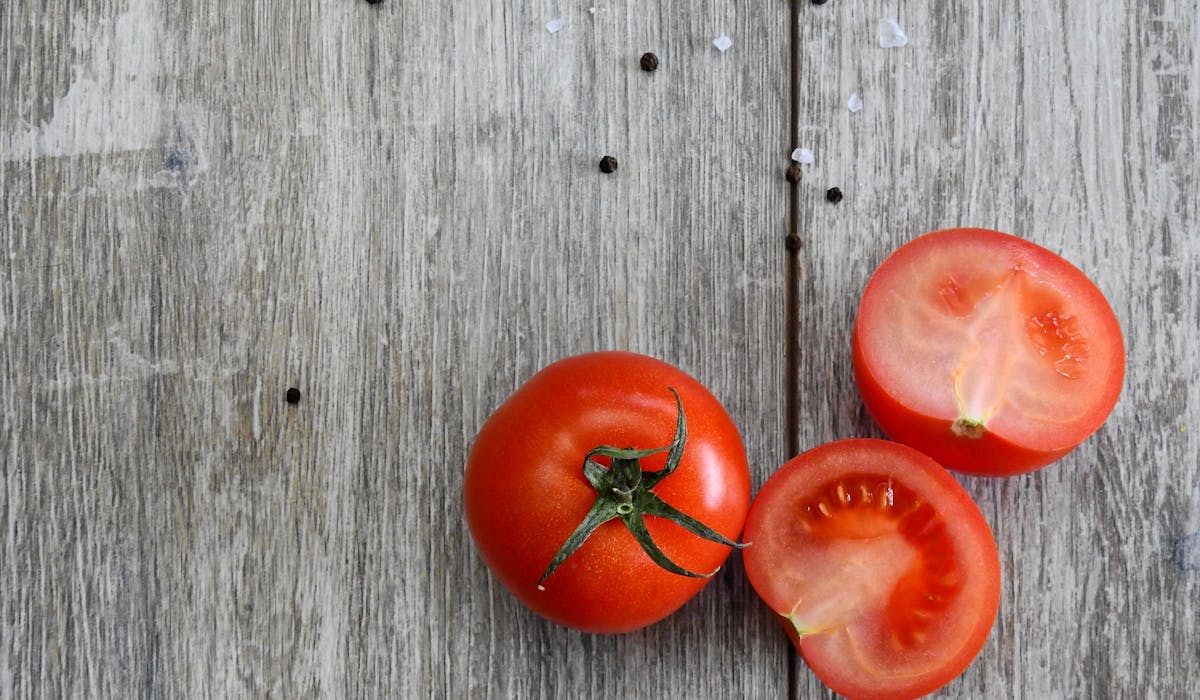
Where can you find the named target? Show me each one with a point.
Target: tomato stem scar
(625, 492)
(968, 428)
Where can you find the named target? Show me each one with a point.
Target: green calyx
(624, 491)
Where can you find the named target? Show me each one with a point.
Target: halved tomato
(986, 352)
(880, 565)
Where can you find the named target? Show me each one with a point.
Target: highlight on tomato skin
(879, 564)
(989, 353)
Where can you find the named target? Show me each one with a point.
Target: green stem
(623, 491)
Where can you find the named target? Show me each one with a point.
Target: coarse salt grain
(891, 34)
(803, 155)
(854, 104)
(722, 43)
(555, 24)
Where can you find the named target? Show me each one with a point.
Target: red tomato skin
(815, 466)
(525, 493)
(991, 454)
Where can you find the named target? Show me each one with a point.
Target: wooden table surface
(396, 209)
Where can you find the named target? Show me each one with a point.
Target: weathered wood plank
(539, 255)
(395, 209)
(1073, 125)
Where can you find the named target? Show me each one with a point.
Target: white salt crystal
(722, 43)
(555, 24)
(854, 104)
(593, 10)
(891, 34)
(803, 155)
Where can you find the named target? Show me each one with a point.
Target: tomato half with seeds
(879, 564)
(606, 490)
(986, 352)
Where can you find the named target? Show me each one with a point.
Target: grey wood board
(1074, 125)
(397, 210)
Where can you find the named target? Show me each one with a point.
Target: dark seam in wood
(791, 324)
(792, 297)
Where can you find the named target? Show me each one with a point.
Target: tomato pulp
(986, 352)
(526, 492)
(880, 565)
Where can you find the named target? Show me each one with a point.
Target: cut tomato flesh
(888, 546)
(991, 333)
(880, 562)
(884, 567)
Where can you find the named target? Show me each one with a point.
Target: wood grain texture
(1074, 125)
(396, 209)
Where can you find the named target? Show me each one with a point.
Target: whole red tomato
(606, 490)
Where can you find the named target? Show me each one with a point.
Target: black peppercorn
(833, 195)
(792, 243)
(293, 395)
(793, 174)
(608, 164)
(649, 62)
(374, 2)
(818, 2)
